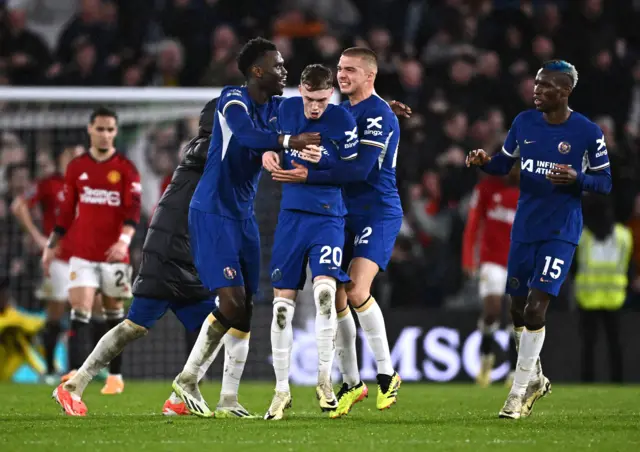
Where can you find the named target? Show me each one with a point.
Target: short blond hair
(367, 55)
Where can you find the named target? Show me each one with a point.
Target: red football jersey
(99, 199)
(48, 194)
(165, 183)
(491, 214)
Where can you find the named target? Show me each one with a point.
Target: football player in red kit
(47, 193)
(491, 214)
(101, 206)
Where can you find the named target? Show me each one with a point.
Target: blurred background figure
(602, 276)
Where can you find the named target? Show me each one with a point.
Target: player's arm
(236, 113)
(131, 206)
(475, 219)
(20, 207)
(598, 177)
(356, 161)
(64, 218)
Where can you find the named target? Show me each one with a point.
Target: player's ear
(300, 89)
(257, 71)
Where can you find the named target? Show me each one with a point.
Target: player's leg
(288, 275)
(84, 279)
(493, 279)
(372, 252)
(98, 320)
(56, 307)
(143, 314)
(216, 245)
(116, 287)
(521, 265)
(236, 348)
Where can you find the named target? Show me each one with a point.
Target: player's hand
(271, 161)
(48, 255)
(41, 241)
(562, 175)
(400, 109)
(304, 139)
(311, 153)
(117, 252)
(477, 157)
(298, 175)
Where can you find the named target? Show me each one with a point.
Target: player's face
(315, 102)
(274, 75)
(353, 72)
(102, 132)
(547, 92)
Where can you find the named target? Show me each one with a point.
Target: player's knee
(357, 295)
(130, 330)
(244, 322)
(534, 313)
(233, 306)
(324, 295)
(283, 309)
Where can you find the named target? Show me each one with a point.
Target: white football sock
(517, 333)
(207, 343)
(530, 345)
(236, 350)
(346, 348)
(282, 340)
(372, 323)
(107, 348)
(173, 398)
(324, 295)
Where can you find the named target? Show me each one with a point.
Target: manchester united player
(46, 194)
(493, 208)
(102, 202)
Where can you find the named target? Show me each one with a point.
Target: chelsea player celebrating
(310, 229)
(561, 153)
(372, 224)
(225, 241)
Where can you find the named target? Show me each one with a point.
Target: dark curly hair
(252, 52)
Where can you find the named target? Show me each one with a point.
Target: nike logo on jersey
(351, 134)
(528, 142)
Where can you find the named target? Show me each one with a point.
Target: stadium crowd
(466, 68)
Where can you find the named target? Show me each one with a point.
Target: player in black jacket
(168, 280)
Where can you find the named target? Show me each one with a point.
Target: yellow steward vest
(601, 280)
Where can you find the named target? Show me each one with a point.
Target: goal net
(154, 124)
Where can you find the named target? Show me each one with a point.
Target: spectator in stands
(23, 52)
(169, 63)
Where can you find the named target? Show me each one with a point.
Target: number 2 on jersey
(328, 253)
(556, 270)
(362, 239)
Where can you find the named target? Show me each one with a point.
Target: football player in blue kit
(310, 230)
(561, 154)
(224, 236)
(372, 224)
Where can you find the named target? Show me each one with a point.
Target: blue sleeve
(233, 108)
(499, 165)
(346, 171)
(374, 129)
(510, 147)
(596, 181)
(348, 139)
(597, 154)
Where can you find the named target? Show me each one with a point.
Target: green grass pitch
(428, 417)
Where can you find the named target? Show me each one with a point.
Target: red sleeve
(34, 194)
(68, 204)
(475, 219)
(132, 195)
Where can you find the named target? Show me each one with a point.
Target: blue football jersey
(547, 211)
(339, 141)
(242, 130)
(379, 131)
